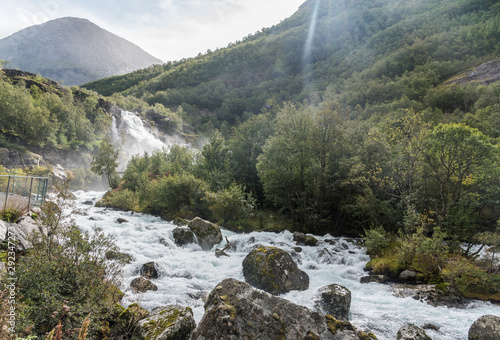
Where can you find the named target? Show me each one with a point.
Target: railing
(21, 191)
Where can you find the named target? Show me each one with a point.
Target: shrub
(181, 195)
(231, 205)
(10, 215)
(376, 240)
(125, 199)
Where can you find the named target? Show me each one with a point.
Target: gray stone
(3, 231)
(207, 233)
(24, 232)
(273, 270)
(121, 220)
(487, 327)
(408, 276)
(142, 285)
(411, 332)
(234, 310)
(166, 323)
(127, 317)
(183, 236)
(374, 278)
(150, 270)
(335, 300)
(304, 240)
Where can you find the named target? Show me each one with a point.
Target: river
(188, 273)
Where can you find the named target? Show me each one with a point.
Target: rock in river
(273, 270)
(207, 233)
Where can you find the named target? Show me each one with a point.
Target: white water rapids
(188, 272)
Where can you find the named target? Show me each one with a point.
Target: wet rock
(165, 242)
(207, 233)
(411, 332)
(121, 220)
(326, 256)
(183, 236)
(487, 327)
(88, 203)
(297, 249)
(116, 255)
(273, 270)
(122, 325)
(142, 285)
(150, 270)
(235, 310)
(304, 240)
(439, 295)
(200, 295)
(408, 276)
(95, 218)
(430, 326)
(335, 300)
(374, 278)
(164, 323)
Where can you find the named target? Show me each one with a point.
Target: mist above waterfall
(132, 137)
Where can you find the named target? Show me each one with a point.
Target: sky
(168, 29)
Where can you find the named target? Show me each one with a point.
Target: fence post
(6, 194)
(29, 197)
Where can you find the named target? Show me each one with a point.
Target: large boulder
(24, 232)
(411, 332)
(183, 236)
(335, 300)
(273, 270)
(207, 233)
(235, 310)
(487, 327)
(123, 325)
(166, 323)
(304, 240)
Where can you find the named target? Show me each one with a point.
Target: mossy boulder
(236, 310)
(122, 327)
(142, 285)
(487, 327)
(183, 236)
(335, 300)
(207, 233)
(411, 332)
(166, 323)
(304, 240)
(273, 270)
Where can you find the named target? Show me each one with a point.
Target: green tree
(462, 177)
(105, 163)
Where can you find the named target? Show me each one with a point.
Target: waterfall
(133, 138)
(188, 273)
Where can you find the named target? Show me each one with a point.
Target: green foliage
(105, 163)
(124, 199)
(174, 196)
(10, 215)
(231, 205)
(376, 240)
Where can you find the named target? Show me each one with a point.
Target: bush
(231, 205)
(66, 279)
(181, 195)
(10, 215)
(376, 240)
(125, 200)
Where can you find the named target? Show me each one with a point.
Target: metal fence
(21, 191)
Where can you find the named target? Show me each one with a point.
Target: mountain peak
(73, 50)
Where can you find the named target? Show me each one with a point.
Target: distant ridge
(73, 50)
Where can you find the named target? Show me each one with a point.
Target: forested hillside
(370, 56)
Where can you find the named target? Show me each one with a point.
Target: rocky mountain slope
(73, 50)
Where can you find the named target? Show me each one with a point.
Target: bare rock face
(304, 240)
(11, 158)
(166, 323)
(411, 332)
(234, 310)
(273, 270)
(335, 300)
(487, 327)
(207, 233)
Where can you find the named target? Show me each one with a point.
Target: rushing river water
(188, 273)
